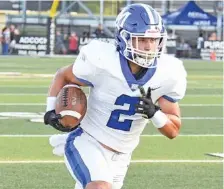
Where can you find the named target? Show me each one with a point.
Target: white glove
(58, 142)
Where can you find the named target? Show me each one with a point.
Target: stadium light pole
(118, 7)
(51, 27)
(63, 7)
(24, 13)
(39, 8)
(219, 26)
(165, 6)
(101, 11)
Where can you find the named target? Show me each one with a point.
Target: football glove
(51, 118)
(145, 105)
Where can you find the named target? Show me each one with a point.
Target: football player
(132, 83)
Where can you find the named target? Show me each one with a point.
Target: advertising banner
(213, 50)
(30, 45)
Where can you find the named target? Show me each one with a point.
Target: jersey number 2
(124, 125)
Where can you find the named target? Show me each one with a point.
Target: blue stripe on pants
(5, 49)
(79, 168)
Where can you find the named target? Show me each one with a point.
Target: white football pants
(87, 160)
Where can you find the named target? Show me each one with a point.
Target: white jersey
(111, 117)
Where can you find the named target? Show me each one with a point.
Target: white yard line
(22, 104)
(43, 136)
(176, 161)
(204, 95)
(43, 104)
(209, 87)
(202, 118)
(183, 118)
(3, 118)
(44, 86)
(43, 94)
(133, 161)
(194, 135)
(24, 136)
(202, 105)
(23, 94)
(24, 86)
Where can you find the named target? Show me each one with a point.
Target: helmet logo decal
(123, 18)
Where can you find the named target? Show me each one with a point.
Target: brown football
(71, 103)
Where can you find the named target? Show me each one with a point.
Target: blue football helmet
(140, 21)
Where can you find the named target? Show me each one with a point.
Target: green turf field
(26, 160)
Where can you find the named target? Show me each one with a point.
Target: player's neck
(134, 67)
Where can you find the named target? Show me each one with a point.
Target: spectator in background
(184, 49)
(12, 28)
(65, 41)
(5, 39)
(200, 44)
(99, 33)
(86, 37)
(14, 35)
(212, 37)
(73, 43)
(171, 34)
(84, 40)
(187, 49)
(171, 42)
(0, 41)
(59, 44)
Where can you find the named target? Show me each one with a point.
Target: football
(71, 104)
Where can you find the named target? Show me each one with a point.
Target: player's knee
(99, 185)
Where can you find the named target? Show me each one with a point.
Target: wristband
(51, 102)
(159, 119)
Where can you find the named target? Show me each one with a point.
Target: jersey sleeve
(177, 88)
(84, 67)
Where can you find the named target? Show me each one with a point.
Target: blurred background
(195, 28)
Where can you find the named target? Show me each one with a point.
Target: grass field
(26, 160)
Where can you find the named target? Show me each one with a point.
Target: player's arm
(173, 122)
(81, 73)
(63, 77)
(165, 117)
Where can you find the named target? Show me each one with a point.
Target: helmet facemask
(137, 54)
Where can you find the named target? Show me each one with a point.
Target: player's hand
(53, 119)
(146, 106)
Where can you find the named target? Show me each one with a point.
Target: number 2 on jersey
(124, 125)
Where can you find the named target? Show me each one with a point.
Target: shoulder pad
(98, 52)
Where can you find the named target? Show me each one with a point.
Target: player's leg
(78, 185)
(99, 185)
(95, 185)
(119, 166)
(86, 162)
